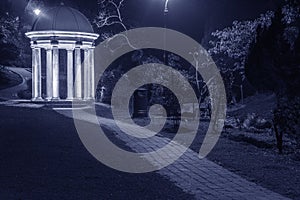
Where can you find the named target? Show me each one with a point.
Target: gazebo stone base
(37, 99)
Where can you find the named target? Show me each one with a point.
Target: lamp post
(166, 62)
(166, 10)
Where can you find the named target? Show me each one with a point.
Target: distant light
(37, 12)
(166, 6)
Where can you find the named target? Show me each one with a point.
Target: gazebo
(62, 29)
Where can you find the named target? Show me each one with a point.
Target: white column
(34, 66)
(37, 74)
(70, 79)
(92, 74)
(86, 80)
(39, 62)
(55, 73)
(78, 78)
(49, 74)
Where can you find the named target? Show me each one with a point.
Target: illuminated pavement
(199, 177)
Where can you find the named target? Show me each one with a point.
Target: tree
(273, 64)
(110, 23)
(231, 47)
(14, 47)
(109, 20)
(9, 46)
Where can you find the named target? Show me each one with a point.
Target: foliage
(291, 14)
(14, 47)
(234, 42)
(230, 49)
(156, 91)
(9, 45)
(110, 23)
(273, 64)
(286, 119)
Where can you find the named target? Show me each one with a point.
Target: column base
(70, 99)
(78, 99)
(89, 99)
(55, 99)
(37, 99)
(48, 98)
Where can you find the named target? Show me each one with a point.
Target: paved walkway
(200, 177)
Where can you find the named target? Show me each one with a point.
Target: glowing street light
(166, 6)
(37, 12)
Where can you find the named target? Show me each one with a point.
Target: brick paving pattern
(200, 177)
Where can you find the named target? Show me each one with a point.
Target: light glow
(37, 12)
(166, 6)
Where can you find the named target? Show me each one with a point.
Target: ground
(254, 155)
(46, 160)
(262, 165)
(258, 164)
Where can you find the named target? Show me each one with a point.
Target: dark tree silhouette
(273, 64)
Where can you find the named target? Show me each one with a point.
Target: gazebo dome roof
(62, 18)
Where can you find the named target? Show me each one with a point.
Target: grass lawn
(8, 78)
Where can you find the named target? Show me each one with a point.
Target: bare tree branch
(109, 16)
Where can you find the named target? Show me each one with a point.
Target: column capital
(54, 47)
(34, 46)
(50, 48)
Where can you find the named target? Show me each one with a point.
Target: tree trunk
(279, 138)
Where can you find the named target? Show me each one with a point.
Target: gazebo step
(63, 104)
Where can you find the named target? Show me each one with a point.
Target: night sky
(192, 17)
